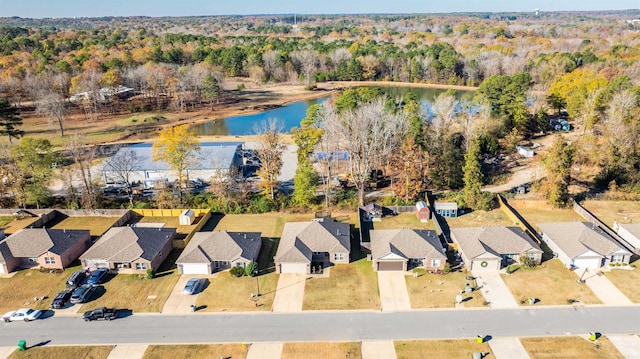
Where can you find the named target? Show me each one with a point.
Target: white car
(24, 314)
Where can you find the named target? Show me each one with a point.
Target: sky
(94, 8)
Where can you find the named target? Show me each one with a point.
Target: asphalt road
(326, 326)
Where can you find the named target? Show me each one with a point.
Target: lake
(289, 116)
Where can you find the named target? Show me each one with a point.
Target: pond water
(289, 116)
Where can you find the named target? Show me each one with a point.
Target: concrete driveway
(378, 349)
(508, 348)
(393, 291)
(494, 290)
(602, 287)
(289, 293)
(628, 345)
(178, 302)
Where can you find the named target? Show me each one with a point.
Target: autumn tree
(558, 162)
(269, 152)
(10, 120)
(33, 158)
(177, 146)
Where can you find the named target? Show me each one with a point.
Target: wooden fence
(167, 212)
(518, 219)
(205, 218)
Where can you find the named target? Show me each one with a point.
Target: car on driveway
(100, 313)
(97, 276)
(194, 285)
(76, 279)
(61, 299)
(82, 294)
(23, 314)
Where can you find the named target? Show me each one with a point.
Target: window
(123, 265)
(616, 258)
(49, 260)
(141, 266)
(532, 256)
(338, 256)
(435, 263)
(33, 259)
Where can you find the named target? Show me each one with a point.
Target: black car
(82, 294)
(97, 276)
(61, 299)
(76, 279)
(100, 313)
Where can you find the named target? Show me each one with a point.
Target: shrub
(528, 262)
(251, 269)
(150, 273)
(236, 272)
(447, 267)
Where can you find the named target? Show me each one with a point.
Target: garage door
(1, 269)
(587, 262)
(390, 266)
(194, 268)
(293, 268)
(481, 265)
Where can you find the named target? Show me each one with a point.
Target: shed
(422, 212)
(187, 217)
(447, 209)
(525, 151)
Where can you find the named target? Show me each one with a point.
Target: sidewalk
(494, 290)
(6, 351)
(378, 349)
(290, 293)
(393, 291)
(602, 287)
(128, 351)
(265, 351)
(628, 345)
(508, 348)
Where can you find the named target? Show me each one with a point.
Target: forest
(528, 69)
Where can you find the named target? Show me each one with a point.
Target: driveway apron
(494, 290)
(289, 293)
(265, 350)
(602, 287)
(393, 291)
(378, 349)
(6, 351)
(128, 351)
(178, 302)
(508, 348)
(627, 345)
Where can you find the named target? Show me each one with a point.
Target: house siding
(564, 258)
(64, 259)
(629, 237)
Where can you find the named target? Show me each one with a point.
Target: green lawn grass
(350, 286)
(403, 220)
(97, 225)
(269, 224)
(537, 211)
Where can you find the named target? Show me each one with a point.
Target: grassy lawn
(45, 352)
(450, 349)
(321, 350)
(193, 351)
(537, 211)
(17, 224)
(495, 217)
(19, 290)
(269, 224)
(4, 220)
(350, 286)
(569, 348)
(627, 281)
(229, 294)
(440, 290)
(169, 222)
(136, 292)
(551, 282)
(610, 211)
(403, 220)
(97, 225)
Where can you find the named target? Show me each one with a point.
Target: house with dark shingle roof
(582, 245)
(492, 248)
(42, 247)
(209, 252)
(134, 249)
(406, 249)
(320, 242)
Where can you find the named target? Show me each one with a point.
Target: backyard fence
(518, 219)
(597, 222)
(167, 212)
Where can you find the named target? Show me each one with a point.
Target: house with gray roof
(209, 252)
(630, 232)
(214, 160)
(406, 249)
(130, 249)
(582, 245)
(319, 243)
(42, 247)
(492, 248)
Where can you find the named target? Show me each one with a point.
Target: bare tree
(53, 106)
(444, 110)
(623, 130)
(330, 147)
(269, 153)
(123, 165)
(82, 156)
(305, 62)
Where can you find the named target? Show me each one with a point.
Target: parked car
(97, 276)
(24, 314)
(82, 294)
(100, 313)
(61, 299)
(194, 285)
(76, 279)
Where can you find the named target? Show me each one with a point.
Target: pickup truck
(100, 313)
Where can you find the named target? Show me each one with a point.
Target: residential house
(492, 248)
(320, 242)
(630, 233)
(214, 160)
(582, 245)
(134, 249)
(42, 247)
(406, 249)
(423, 212)
(208, 252)
(447, 209)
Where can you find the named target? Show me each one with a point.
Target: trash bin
(593, 337)
(193, 308)
(467, 288)
(480, 340)
(22, 345)
(477, 355)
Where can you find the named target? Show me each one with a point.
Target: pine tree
(472, 176)
(558, 162)
(10, 120)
